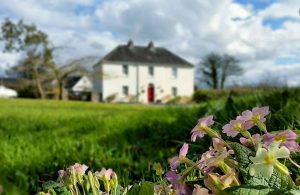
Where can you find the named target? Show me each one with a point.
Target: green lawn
(37, 138)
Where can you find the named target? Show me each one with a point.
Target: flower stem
(294, 163)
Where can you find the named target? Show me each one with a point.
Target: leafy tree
(215, 69)
(20, 37)
(38, 64)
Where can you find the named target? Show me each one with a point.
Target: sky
(263, 34)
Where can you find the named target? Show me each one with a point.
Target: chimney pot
(130, 43)
(151, 44)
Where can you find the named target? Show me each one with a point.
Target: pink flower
(200, 129)
(211, 159)
(104, 174)
(177, 183)
(236, 126)
(78, 168)
(287, 139)
(247, 142)
(62, 173)
(198, 190)
(203, 163)
(176, 160)
(257, 114)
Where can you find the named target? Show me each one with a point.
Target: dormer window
(151, 71)
(174, 72)
(125, 69)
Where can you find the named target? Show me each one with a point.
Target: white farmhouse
(143, 74)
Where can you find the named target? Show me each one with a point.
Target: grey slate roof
(144, 55)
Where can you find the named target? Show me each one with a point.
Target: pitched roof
(144, 55)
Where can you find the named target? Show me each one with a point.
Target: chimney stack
(150, 45)
(130, 43)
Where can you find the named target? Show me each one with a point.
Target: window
(125, 69)
(174, 72)
(151, 70)
(125, 90)
(174, 91)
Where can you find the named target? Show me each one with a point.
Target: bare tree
(209, 68)
(216, 69)
(60, 73)
(230, 66)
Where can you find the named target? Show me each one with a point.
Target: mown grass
(37, 138)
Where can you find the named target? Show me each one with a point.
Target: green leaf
(294, 191)
(134, 190)
(49, 185)
(277, 180)
(250, 190)
(63, 191)
(147, 188)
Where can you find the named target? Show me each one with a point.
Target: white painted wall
(138, 80)
(84, 84)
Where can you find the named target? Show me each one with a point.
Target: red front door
(150, 93)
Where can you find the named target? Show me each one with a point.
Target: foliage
(34, 44)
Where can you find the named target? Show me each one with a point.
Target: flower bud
(281, 168)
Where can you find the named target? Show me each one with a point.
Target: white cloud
(191, 28)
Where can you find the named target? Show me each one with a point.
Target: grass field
(37, 138)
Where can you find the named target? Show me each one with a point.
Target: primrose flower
(203, 127)
(217, 183)
(247, 142)
(104, 174)
(62, 173)
(211, 159)
(287, 139)
(162, 189)
(198, 190)
(236, 126)
(265, 160)
(177, 183)
(176, 160)
(256, 117)
(78, 168)
(203, 163)
(257, 114)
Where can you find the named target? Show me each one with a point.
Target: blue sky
(257, 4)
(263, 34)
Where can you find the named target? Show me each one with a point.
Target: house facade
(147, 74)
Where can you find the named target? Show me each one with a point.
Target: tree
(216, 69)
(230, 66)
(62, 72)
(210, 67)
(20, 37)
